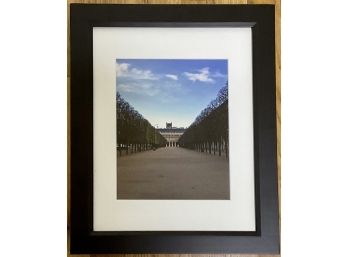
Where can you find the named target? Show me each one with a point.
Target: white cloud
(124, 70)
(142, 74)
(164, 91)
(141, 88)
(202, 75)
(172, 76)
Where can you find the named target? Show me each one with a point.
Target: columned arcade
(171, 134)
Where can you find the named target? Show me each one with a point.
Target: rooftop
(171, 130)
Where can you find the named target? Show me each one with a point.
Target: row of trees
(209, 132)
(134, 132)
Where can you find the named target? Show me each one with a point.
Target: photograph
(172, 129)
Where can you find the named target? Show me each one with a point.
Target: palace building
(171, 134)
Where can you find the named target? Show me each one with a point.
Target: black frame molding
(83, 17)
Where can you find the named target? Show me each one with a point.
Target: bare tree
(134, 132)
(209, 132)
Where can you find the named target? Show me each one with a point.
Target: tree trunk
(219, 147)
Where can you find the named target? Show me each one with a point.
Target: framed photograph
(173, 129)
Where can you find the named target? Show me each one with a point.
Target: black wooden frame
(261, 19)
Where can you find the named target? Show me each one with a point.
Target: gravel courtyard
(172, 173)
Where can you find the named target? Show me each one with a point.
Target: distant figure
(168, 125)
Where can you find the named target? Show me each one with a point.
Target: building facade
(171, 134)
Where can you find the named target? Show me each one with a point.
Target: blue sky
(170, 90)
